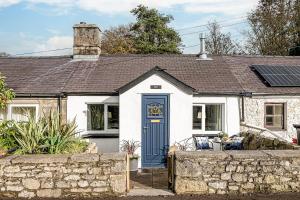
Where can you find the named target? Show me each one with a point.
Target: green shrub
(30, 135)
(60, 137)
(7, 131)
(45, 135)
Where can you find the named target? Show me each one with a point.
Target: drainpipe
(243, 95)
(59, 106)
(243, 110)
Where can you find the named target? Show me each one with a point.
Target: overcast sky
(40, 25)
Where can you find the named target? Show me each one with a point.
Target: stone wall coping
(86, 157)
(6, 160)
(283, 153)
(61, 158)
(253, 154)
(41, 158)
(238, 154)
(113, 156)
(200, 154)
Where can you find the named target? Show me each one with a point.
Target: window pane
(22, 114)
(197, 117)
(112, 117)
(213, 117)
(96, 117)
(269, 121)
(278, 121)
(279, 109)
(274, 115)
(269, 110)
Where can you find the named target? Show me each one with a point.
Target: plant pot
(133, 163)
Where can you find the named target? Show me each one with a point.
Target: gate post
(128, 173)
(171, 170)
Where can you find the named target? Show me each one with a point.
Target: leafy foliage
(274, 27)
(6, 94)
(151, 33)
(7, 132)
(118, 40)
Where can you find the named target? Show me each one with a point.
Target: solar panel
(279, 76)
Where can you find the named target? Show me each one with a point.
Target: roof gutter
(275, 94)
(38, 94)
(91, 93)
(217, 94)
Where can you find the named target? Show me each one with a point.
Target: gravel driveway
(287, 196)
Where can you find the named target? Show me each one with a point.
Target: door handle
(145, 127)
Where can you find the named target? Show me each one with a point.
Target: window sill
(275, 129)
(100, 135)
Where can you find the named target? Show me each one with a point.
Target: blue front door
(155, 130)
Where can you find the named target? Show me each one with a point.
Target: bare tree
(273, 27)
(219, 43)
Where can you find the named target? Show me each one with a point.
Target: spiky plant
(29, 135)
(59, 137)
(130, 146)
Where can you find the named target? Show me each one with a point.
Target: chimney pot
(203, 52)
(87, 41)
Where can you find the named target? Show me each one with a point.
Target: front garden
(46, 135)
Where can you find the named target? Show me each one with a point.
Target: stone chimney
(87, 41)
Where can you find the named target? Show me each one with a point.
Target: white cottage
(157, 100)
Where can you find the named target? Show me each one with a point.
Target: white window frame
(106, 130)
(10, 106)
(204, 118)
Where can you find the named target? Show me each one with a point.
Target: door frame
(143, 120)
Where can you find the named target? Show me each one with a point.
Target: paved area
(151, 182)
(150, 192)
(149, 178)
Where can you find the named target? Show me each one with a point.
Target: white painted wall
(77, 108)
(130, 108)
(131, 114)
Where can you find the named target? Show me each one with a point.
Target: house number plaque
(155, 86)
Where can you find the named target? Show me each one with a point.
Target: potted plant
(130, 146)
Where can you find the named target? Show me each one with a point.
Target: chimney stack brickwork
(87, 41)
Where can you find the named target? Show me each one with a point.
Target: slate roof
(250, 81)
(54, 75)
(29, 75)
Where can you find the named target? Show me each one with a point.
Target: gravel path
(287, 196)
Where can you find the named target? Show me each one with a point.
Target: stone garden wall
(63, 175)
(236, 171)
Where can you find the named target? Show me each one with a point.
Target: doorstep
(150, 192)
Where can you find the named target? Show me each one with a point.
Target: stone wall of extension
(205, 172)
(255, 109)
(45, 105)
(80, 175)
